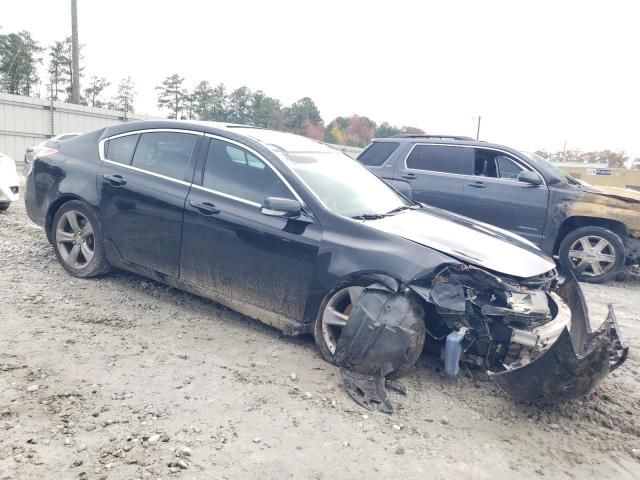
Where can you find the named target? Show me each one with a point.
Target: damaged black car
(297, 235)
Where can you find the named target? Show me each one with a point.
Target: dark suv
(591, 230)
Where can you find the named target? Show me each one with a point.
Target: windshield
(554, 168)
(342, 184)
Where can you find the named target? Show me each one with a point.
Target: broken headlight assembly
(533, 337)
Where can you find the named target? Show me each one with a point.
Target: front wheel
(77, 240)
(334, 313)
(593, 254)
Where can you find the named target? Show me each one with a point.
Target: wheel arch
(578, 221)
(54, 207)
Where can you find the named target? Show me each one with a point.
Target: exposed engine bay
(532, 336)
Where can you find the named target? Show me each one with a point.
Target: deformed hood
(468, 240)
(625, 194)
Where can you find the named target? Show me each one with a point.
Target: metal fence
(26, 121)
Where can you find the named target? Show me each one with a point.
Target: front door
(143, 184)
(494, 195)
(231, 248)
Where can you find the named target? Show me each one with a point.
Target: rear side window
(121, 149)
(441, 158)
(234, 171)
(165, 153)
(377, 153)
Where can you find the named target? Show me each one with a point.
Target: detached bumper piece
(379, 338)
(574, 364)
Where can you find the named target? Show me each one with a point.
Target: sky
(540, 73)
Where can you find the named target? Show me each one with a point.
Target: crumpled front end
(532, 336)
(574, 364)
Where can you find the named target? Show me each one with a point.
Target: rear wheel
(593, 254)
(77, 240)
(334, 313)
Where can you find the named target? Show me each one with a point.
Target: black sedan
(294, 233)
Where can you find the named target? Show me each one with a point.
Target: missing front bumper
(577, 361)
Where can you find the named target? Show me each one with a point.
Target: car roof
(272, 139)
(446, 140)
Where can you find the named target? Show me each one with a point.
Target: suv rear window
(441, 158)
(377, 153)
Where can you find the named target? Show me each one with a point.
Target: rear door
(143, 184)
(494, 195)
(437, 174)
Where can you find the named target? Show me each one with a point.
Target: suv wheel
(77, 240)
(593, 254)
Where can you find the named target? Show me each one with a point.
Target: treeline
(611, 158)
(22, 64)
(241, 105)
(31, 69)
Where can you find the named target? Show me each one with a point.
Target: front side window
(440, 158)
(121, 149)
(489, 163)
(165, 153)
(377, 153)
(342, 184)
(507, 168)
(234, 171)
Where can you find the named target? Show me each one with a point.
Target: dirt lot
(120, 378)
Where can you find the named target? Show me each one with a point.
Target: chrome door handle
(205, 208)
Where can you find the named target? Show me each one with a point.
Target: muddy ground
(121, 378)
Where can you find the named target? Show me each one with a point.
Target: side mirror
(281, 207)
(532, 178)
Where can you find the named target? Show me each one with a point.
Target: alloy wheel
(592, 255)
(75, 239)
(336, 313)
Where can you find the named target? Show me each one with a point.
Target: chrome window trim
(102, 142)
(101, 145)
(463, 175)
(226, 195)
(261, 158)
(158, 175)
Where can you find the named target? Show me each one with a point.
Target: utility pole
(75, 54)
(478, 130)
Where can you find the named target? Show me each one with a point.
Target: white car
(9, 191)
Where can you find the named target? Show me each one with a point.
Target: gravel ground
(121, 377)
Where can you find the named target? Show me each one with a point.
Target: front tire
(593, 254)
(333, 315)
(76, 234)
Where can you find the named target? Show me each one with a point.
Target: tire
(79, 245)
(4, 206)
(603, 258)
(327, 351)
